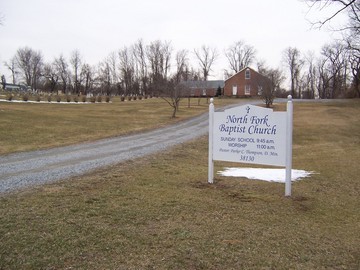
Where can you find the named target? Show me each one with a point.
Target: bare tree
(159, 55)
(291, 57)
(30, 64)
(75, 61)
(331, 70)
(139, 51)
(182, 74)
(37, 66)
(355, 71)
(166, 52)
(323, 78)
(51, 75)
(336, 55)
(192, 74)
(172, 95)
(269, 84)
(127, 70)
(62, 70)
(87, 78)
(206, 57)
(11, 65)
(182, 63)
(310, 77)
(353, 45)
(23, 62)
(108, 73)
(350, 31)
(240, 55)
(113, 61)
(261, 66)
(105, 76)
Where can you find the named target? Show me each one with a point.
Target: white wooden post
(211, 126)
(289, 135)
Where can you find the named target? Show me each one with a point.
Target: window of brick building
(247, 74)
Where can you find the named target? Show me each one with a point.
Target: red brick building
(245, 83)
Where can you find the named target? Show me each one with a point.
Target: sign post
(289, 135)
(251, 134)
(211, 141)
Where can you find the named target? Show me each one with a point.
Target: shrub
(134, 97)
(107, 99)
(49, 98)
(76, 99)
(129, 98)
(99, 98)
(83, 99)
(25, 97)
(38, 98)
(92, 99)
(140, 97)
(58, 98)
(9, 97)
(68, 98)
(122, 98)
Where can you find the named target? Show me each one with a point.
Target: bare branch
(326, 3)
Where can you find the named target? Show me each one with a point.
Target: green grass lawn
(158, 212)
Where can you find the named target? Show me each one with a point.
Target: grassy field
(158, 212)
(30, 126)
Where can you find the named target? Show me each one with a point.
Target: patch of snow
(270, 175)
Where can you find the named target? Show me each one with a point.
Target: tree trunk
(174, 112)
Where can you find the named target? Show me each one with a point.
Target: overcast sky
(98, 27)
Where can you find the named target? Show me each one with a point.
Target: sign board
(251, 134)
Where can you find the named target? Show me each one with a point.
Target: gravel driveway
(44, 166)
(27, 169)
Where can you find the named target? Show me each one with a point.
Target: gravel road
(38, 167)
(27, 169)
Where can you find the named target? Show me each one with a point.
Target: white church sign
(251, 134)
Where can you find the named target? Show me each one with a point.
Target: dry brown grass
(158, 212)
